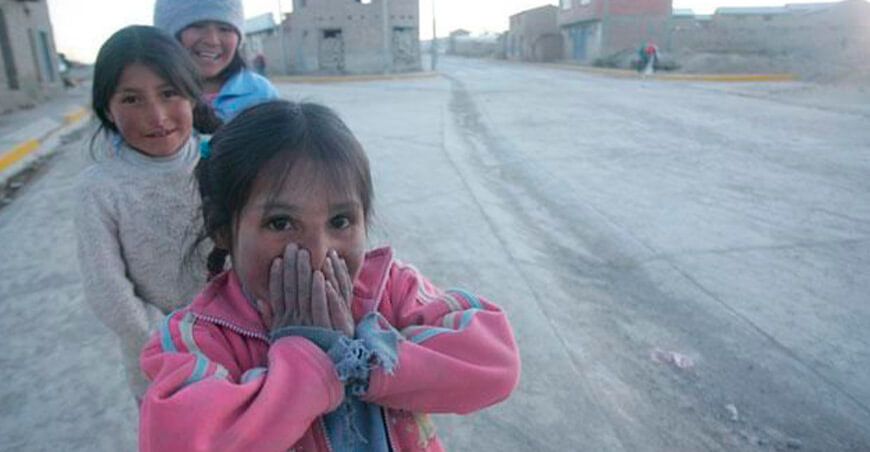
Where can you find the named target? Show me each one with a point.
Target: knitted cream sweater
(135, 221)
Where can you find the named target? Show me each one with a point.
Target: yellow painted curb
(729, 77)
(323, 79)
(17, 153)
(75, 116)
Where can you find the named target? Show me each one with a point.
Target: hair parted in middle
(267, 140)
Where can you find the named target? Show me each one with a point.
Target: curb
(13, 160)
(326, 79)
(721, 78)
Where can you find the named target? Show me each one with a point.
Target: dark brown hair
(267, 140)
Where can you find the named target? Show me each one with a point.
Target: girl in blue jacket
(212, 31)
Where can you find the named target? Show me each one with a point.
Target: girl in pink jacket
(308, 342)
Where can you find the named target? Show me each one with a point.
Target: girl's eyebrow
(343, 206)
(134, 89)
(269, 206)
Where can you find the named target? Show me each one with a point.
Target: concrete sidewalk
(26, 135)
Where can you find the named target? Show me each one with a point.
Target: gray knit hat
(173, 16)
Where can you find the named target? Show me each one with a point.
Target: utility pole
(434, 46)
(605, 29)
(281, 38)
(385, 13)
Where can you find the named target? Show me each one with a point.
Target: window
(8, 57)
(47, 61)
(566, 4)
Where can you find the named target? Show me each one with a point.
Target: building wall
(572, 11)
(30, 48)
(593, 29)
(347, 36)
(583, 41)
(830, 41)
(534, 35)
(476, 46)
(629, 32)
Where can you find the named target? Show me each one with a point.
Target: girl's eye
(280, 224)
(128, 99)
(226, 29)
(340, 222)
(169, 93)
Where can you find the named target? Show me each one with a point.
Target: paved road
(611, 218)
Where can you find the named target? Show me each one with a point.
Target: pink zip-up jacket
(219, 383)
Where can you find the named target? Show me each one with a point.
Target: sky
(81, 26)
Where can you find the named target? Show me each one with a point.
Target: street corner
(77, 115)
(20, 148)
(16, 153)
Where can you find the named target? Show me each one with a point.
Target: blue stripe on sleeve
(466, 318)
(424, 333)
(429, 333)
(469, 298)
(199, 370)
(166, 335)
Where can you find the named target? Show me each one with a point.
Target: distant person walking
(641, 58)
(211, 30)
(651, 51)
(260, 64)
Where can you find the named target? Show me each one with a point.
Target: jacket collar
(372, 280)
(224, 300)
(240, 84)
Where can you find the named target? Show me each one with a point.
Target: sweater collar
(185, 157)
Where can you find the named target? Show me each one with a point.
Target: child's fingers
(342, 319)
(329, 269)
(265, 309)
(345, 282)
(303, 284)
(276, 293)
(289, 275)
(319, 308)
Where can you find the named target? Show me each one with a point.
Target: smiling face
(310, 209)
(152, 115)
(212, 46)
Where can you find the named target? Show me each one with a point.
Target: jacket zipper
(325, 434)
(390, 437)
(233, 327)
